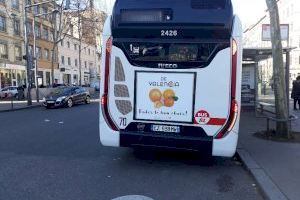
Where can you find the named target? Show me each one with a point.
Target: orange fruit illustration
(169, 102)
(155, 95)
(158, 104)
(169, 93)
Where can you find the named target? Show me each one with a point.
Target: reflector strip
(217, 121)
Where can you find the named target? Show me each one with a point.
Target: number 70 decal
(123, 121)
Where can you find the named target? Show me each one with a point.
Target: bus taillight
(234, 105)
(234, 52)
(231, 121)
(104, 98)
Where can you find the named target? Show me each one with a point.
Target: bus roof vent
(209, 4)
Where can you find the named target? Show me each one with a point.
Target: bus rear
(171, 76)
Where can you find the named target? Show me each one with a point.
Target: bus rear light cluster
(234, 108)
(104, 98)
(231, 121)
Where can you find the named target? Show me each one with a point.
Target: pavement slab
(276, 161)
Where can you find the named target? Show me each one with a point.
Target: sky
(250, 11)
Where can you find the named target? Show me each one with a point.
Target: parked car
(97, 86)
(67, 97)
(9, 91)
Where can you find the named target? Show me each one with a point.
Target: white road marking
(133, 197)
(47, 120)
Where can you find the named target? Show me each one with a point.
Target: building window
(38, 52)
(44, 11)
(68, 44)
(2, 23)
(46, 54)
(91, 65)
(51, 35)
(15, 4)
(76, 62)
(62, 43)
(48, 78)
(18, 53)
(45, 33)
(30, 50)
(3, 51)
(37, 30)
(36, 10)
(71, 29)
(69, 61)
(75, 46)
(85, 64)
(29, 27)
(89, 52)
(17, 27)
(62, 60)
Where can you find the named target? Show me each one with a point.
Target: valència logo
(164, 84)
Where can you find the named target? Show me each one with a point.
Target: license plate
(167, 129)
(50, 101)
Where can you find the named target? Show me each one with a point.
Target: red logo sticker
(201, 117)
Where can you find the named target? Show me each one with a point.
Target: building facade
(12, 66)
(43, 30)
(69, 70)
(66, 54)
(84, 38)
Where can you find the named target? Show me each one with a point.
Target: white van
(171, 76)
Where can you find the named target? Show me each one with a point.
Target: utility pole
(35, 60)
(28, 64)
(80, 42)
(282, 126)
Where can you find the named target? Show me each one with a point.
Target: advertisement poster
(164, 96)
(248, 85)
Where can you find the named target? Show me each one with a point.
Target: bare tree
(282, 126)
(61, 25)
(88, 24)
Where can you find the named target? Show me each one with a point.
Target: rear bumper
(135, 139)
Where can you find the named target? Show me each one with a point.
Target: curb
(17, 109)
(269, 189)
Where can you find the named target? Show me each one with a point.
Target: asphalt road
(56, 154)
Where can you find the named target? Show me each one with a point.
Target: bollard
(11, 100)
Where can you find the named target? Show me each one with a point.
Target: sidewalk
(275, 165)
(6, 106)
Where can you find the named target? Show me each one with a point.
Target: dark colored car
(67, 97)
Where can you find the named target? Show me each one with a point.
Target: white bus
(171, 76)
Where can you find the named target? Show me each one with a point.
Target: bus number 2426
(168, 33)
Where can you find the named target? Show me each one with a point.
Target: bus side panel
(227, 146)
(108, 137)
(213, 90)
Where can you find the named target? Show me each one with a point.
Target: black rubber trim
(189, 138)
